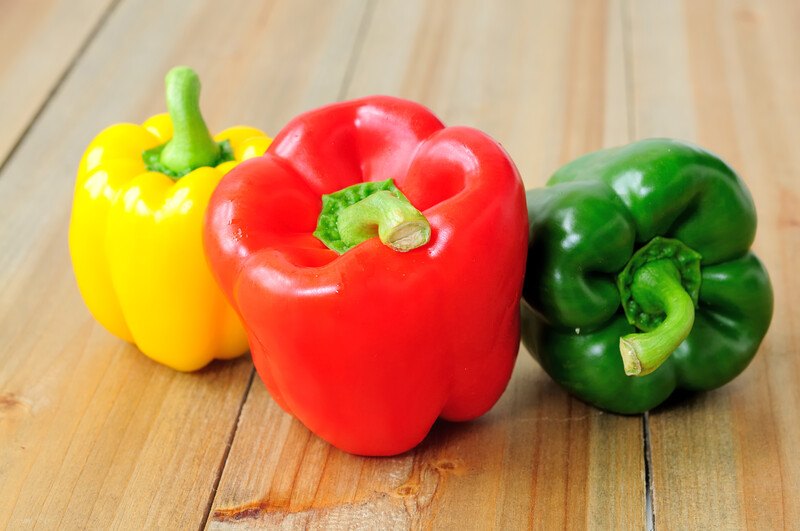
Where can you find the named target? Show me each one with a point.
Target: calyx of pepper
(365, 210)
(659, 290)
(191, 146)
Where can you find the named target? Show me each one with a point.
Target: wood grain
(539, 458)
(93, 434)
(726, 75)
(39, 41)
(529, 462)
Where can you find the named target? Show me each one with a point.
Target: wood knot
(447, 465)
(9, 402)
(407, 490)
(250, 511)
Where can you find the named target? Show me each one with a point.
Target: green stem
(394, 220)
(191, 146)
(657, 288)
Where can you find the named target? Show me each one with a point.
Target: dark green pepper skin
(585, 225)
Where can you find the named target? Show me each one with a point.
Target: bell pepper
(640, 277)
(376, 258)
(135, 234)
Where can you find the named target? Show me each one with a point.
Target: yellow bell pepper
(135, 233)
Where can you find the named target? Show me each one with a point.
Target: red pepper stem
(191, 146)
(657, 287)
(394, 220)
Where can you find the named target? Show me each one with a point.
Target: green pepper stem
(657, 287)
(191, 146)
(397, 223)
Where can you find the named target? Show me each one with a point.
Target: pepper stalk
(659, 289)
(192, 145)
(365, 210)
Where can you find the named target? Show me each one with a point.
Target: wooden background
(93, 434)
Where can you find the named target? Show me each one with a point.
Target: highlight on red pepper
(376, 259)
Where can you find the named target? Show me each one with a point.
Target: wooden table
(93, 434)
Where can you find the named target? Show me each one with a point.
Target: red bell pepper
(364, 344)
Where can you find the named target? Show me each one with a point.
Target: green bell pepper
(640, 279)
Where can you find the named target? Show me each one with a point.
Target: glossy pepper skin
(585, 227)
(135, 238)
(369, 347)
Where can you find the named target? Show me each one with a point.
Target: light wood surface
(40, 41)
(728, 459)
(539, 457)
(93, 434)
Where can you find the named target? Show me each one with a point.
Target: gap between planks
(59, 83)
(90, 36)
(627, 50)
(363, 26)
(224, 461)
(353, 61)
(366, 19)
(649, 507)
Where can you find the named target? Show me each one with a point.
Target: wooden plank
(92, 433)
(41, 39)
(548, 81)
(725, 75)
(538, 458)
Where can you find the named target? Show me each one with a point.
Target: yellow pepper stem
(191, 146)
